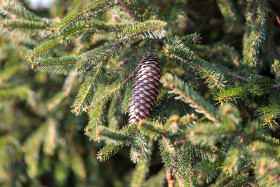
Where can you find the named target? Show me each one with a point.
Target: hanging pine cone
(146, 88)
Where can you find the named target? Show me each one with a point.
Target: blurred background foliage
(40, 143)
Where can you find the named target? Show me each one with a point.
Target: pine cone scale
(145, 89)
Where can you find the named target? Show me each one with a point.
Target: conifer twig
(118, 87)
(246, 79)
(127, 10)
(186, 98)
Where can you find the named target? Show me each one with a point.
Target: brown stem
(170, 179)
(63, 9)
(127, 10)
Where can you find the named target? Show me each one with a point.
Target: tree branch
(127, 10)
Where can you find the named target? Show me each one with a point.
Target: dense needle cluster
(146, 88)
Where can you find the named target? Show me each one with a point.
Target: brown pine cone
(146, 88)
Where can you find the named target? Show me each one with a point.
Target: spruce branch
(235, 75)
(176, 50)
(171, 155)
(248, 79)
(109, 136)
(256, 31)
(190, 96)
(177, 160)
(171, 125)
(139, 174)
(31, 147)
(9, 72)
(96, 116)
(156, 180)
(270, 112)
(200, 149)
(234, 181)
(142, 168)
(108, 92)
(127, 10)
(153, 29)
(148, 29)
(109, 150)
(87, 89)
(67, 87)
(56, 65)
(90, 10)
(28, 26)
(39, 64)
(49, 45)
(150, 129)
(233, 157)
(45, 47)
(260, 30)
(264, 148)
(154, 130)
(208, 170)
(229, 12)
(188, 119)
(50, 142)
(268, 172)
(219, 134)
(8, 7)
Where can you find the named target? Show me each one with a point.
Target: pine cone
(146, 88)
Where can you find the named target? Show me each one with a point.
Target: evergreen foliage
(68, 72)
